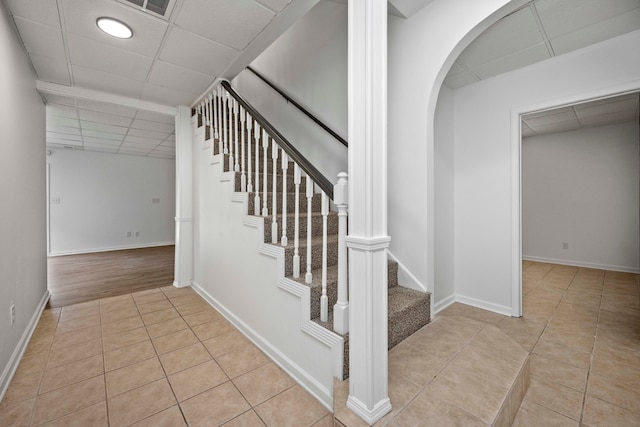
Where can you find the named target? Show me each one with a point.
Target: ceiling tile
(170, 144)
(41, 39)
(42, 11)
(101, 127)
(511, 34)
(607, 119)
(156, 117)
(105, 107)
(63, 121)
(460, 79)
(148, 31)
(51, 70)
(141, 140)
(63, 129)
(512, 62)
(597, 32)
(62, 136)
(61, 111)
(104, 141)
(101, 148)
(563, 16)
(102, 135)
(178, 78)
(110, 119)
(171, 138)
(100, 56)
(230, 22)
(557, 127)
(154, 126)
(548, 112)
(565, 116)
(98, 80)
(628, 106)
(275, 5)
(167, 96)
(63, 141)
(148, 134)
(214, 62)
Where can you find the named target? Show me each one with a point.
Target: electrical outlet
(128, 234)
(137, 234)
(565, 245)
(12, 311)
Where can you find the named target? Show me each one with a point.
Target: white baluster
(324, 300)
(243, 176)
(214, 110)
(341, 308)
(236, 112)
(256, 198)
(274, 193)
(265, 145)
(225, 124)
(250, 142)
(285, 166)
(220, 122)
(296, 221)
(232, 125)
(309, 277)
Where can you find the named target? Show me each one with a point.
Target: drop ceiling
(540, 30)
(607, 111)
(171, 60)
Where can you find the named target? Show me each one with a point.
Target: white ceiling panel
(171, 138)
(513, 61)
(105, 107)
(40, 39)
(81, 18)
(102, 127)
(42, 11)
(550, 119)
(515, 32)
(129, 150)
(101, 148)
(154, 126)
(157, 93)
(102, 135)
(561, 17)
(63, 129)
(163, 149)
(178, 78)
(628, 106)
(62, 136)
(109, 59)
(61, 111)
(160, 155)
(558, 127)
(276, 5)
(214, 62)
(148, 134)
(549, 112)
(63, 121)
(51, 70)
(461, 79)
(230, 22)
(156, 117)
(604, 119)
(140, 140)
(169, 144)
(110, 119)
(603, 30)
(64, 141)
(60, 100)
(103, 141)
(99, 80)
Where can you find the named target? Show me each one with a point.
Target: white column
(183, 271)
(368, 240)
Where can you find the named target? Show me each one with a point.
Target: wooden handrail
(300, 107)
(325, 185)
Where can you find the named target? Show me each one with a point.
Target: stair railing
(237, 126)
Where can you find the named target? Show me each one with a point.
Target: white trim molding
(573, 263)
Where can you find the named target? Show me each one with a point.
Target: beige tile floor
(165, 358)
(161, 357)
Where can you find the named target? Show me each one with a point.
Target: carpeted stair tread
(408, 311)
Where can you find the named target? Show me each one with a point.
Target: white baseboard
(573, 263)
(485, 305)
(444, 303)
(290, 367)
(111, 248)
(18, 352)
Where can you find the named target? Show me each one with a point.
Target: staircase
(408, 310)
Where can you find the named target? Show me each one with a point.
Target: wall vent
(160, 8)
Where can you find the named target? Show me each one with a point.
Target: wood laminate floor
(86, 277)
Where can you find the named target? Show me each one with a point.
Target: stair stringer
(322, 349)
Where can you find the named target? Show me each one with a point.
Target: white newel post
(341, 307)
(183, 271)
(368, 240)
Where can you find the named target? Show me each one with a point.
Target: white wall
(308, 62)
(444, 286)
(487, 154)
(582, 188)
(23, 262)
(103, 196)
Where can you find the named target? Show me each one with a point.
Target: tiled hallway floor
(165, 358)
(161, 357)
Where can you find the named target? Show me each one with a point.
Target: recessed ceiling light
(114, 28)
